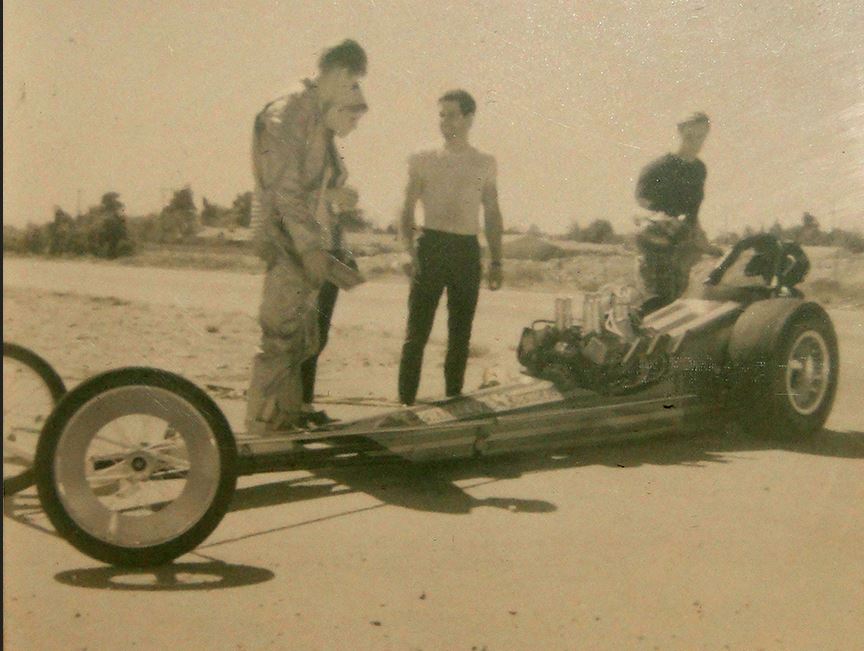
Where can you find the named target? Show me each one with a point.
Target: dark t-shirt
(673, 186)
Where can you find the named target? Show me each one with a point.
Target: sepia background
(574, 98)
(717, 540)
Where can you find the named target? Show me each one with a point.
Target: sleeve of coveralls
(281, 149)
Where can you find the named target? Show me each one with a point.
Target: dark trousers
(326, 304)
(451, 262)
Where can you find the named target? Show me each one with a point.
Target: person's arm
(699, 238)
(494, 228)
(280, 149)
(647, 185)
(407, 221)
(691, 216)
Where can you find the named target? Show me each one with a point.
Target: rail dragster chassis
(137, 466)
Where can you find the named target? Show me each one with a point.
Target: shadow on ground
(431, 486)
(176, 577)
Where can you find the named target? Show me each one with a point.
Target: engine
(607, 351)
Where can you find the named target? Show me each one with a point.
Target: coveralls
(291, 153)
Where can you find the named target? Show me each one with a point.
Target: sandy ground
(705, 542)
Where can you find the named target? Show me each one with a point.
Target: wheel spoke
(177, 463)
(122, 445)
(107, 479)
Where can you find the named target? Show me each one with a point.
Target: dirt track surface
(706, 542)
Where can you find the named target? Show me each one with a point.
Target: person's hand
(495, 276)
(316, 264)
(343, 275)
(343, 199)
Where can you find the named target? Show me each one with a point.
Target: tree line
(808, 233)
(105, 230)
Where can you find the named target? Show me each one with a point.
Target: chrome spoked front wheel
(136, 467)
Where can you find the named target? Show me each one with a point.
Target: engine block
(607, 351)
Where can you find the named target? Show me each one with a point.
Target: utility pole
(78, 204)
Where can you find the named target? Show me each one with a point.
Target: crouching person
(294, 161)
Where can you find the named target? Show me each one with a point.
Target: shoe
(265, 429)
(317, 419)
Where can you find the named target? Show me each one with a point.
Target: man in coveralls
(451, 183)
(293, 161)
(674, 186)
(342, 120)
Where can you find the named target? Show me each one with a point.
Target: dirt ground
(711, 541)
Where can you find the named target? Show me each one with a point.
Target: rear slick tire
(136, 467)
(800, 378)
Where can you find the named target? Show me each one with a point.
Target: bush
(35, 239)
(851, 241)
(101, 231)
(242, 209)
(212, 214)
(600, 231)
(531, 247)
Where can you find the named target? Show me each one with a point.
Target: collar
(310, 89)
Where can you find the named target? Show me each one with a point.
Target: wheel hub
(807, 371)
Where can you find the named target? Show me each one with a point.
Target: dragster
(137, 466)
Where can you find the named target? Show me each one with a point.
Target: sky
(574, 98)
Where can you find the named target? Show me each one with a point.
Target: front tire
(31, 390)
(136, 467)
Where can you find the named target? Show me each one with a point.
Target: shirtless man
(451, 183)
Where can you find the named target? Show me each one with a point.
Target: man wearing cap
(294, 161)
(673, 186)
(451, 183)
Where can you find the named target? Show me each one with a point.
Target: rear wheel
(800, 380)
(136, 467)
(31, 390)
